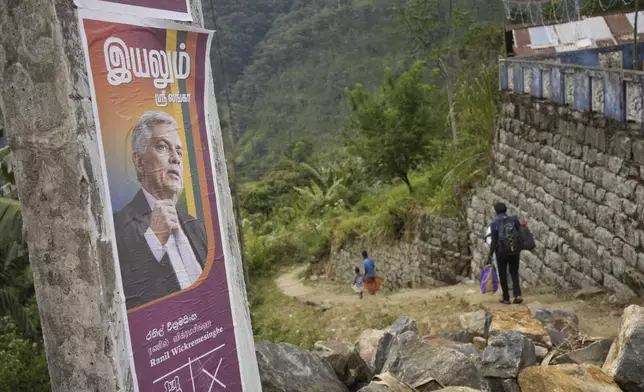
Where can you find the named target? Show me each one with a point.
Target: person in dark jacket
(161, 250)
(504, 260)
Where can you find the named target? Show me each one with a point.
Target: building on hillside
(603, 40)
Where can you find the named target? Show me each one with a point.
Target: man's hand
(164, 220)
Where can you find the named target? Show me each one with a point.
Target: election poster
(162, 9)
(149, 81)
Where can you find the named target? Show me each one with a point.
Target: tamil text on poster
(148, 84)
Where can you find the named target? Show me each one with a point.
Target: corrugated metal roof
(640, 22)
(620, 27)
(522, 37)
(569, 33)
(598, 29)
(592, 32)
(540, 36)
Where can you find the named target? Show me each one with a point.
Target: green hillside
(288, 62)
(294, 89)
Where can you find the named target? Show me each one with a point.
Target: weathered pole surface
(48, 112)
(45, 98)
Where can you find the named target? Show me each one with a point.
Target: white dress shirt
(185, 264)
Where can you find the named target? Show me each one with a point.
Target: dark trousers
(513, 263)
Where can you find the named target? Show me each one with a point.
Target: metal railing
(616, 93)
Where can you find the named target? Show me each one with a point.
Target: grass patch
(279, 318)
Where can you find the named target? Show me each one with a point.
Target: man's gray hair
(142, 130)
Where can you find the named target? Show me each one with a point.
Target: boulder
(412, 360)
(476, 323)
(284, 367)
(507, 354)
(503, 385)
(461, 336)
(372, 346)
(540, 352)
(387, 382)
(510, 385)
(375, 387)
(347, 364)
(625, 360)
(401, 325)
(517, 319)
(595, 354)
(566, 378)
(480, 343)
(465, 348)
(562, 327)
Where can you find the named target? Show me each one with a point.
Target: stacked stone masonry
(578, 179)
(432, 251)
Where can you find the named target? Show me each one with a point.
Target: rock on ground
(284, 367)
(517, 319)
(562, 327)
(594, 354)
(625, 361)
(347, 364)
(373, 387)
(401, 325)
(540, 352)
(476, 323)
(480, 343)
(503, 385)
(460, 336)
(465, 348)
(507, 354)
(589, 292)
(411, 360)
(460, 389)
(372, 346)
(566, 378)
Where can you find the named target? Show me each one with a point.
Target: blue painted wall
(590, 57)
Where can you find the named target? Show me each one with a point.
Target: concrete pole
(46, 101)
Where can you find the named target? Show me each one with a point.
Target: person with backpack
(488, 241)
(506, 245)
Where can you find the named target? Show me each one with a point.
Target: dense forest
(287, 64)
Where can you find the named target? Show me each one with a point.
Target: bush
(23, 365)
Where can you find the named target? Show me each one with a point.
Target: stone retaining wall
(432, 251)
(578, 179)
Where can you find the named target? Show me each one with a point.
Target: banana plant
(15, 275)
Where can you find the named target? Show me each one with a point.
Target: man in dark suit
(160, 250)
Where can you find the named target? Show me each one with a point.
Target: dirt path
(435, 310)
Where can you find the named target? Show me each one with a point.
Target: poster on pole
(149, 83)
(161, 9)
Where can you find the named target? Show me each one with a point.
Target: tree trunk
(405, 179)
(636, 65)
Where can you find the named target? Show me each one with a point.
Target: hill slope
(288, 63)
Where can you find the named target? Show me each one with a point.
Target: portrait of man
(161, 250)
